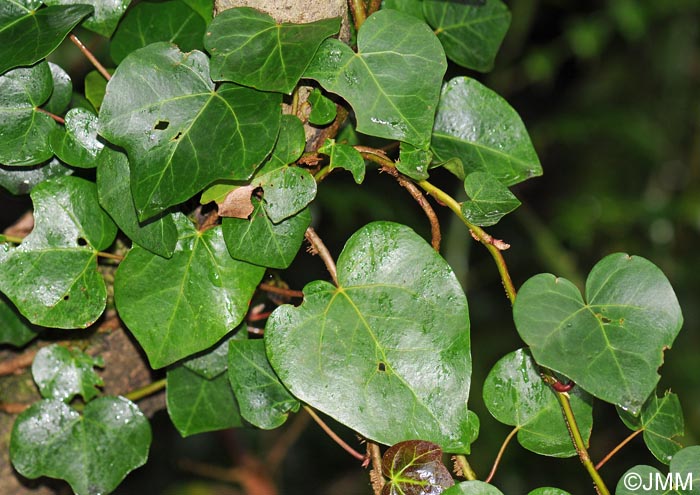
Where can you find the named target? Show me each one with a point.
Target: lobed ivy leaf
(21, 180)
(158, 235)
(381, 342)
(62, 91)
(263, 400)
(95, 87)
(415, 467)
(182, 305)
(489, 199)
(346, 157)
(196, 404)
(392, 82)
(470, 34)
(214, 361)
(480, 128)
(92, 452)
(146, 23)
(250, 48)
(24, 131)
(323, 110)
(52, 276)
(105, 16)
(683, 477)
(472, 488)
(515, 395)
(77, 145)
(179, 132)
(62, 373)
(630, 315)
(14, 328)
(29, 33)
(414, 162)
(662, 422)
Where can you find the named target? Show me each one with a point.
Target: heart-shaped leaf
(62, 373)
(62, 90)
(392, 82)
(489, 199)
(415, 467)
(95, 87)
(515, 395)
(92, 452)
(179, 132)
(612, 343)
(683, 477)
(21, 180)
(480, 128)
(52, 276)
(105, 17)
(248, 47)
(378, 352)
(346, 157)
(323, 110)
(179, 306)
(472, 488)
(78, 145)
(14, 329)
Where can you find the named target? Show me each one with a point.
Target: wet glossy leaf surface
(480, 128)
(214, 361)
(546, 490)
(630, 315)
(684, 473)
(414, 162)
(52, 276)
(95, 87)
(14, 328)
(62, 91)
(21, 180)
(263, 400)
(179, 306)
(92, 452)
(346, 157)
(62, 373)
(489, 200)
(393, 82)
(77, 145)
(105, 16)
(472, 488)
(179, 133)
(248, 47)
(323, 110)
(515, 394)
(415, 468)
(363, 346)
(470, 34)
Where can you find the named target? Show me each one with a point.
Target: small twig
(333, 435)
(88, 54)
(375, 475)
(618, 448)
(281, 291)
(374, 6)
(111, 256)
(318, 247)
(499, 456)
(17, 363)
(13, 407)
(146, 391)
(464, 468)
(359, 14)
(58, 119)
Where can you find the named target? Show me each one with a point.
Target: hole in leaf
(66, 297)
(161, 125)
(177, 136)
(605, 319)
(381, 366)
(81, 241)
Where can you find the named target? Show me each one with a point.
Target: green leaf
(21, 180)
(489, 199)
(415, 467)
(92, 452)
(62, 90)
(24, 131)
(204, 8)
(346, 157)
(470, 34)
(196, 405)
(414, 162)
(179, 306)
(248, 47)
(78, 145)
(323, 110)
(515, 395)
(14, 329)
(27, 35)
(179, 133)
(393, 82)
(480, 128)
(683, 477)
(105, 17)
(662, 422)
(262, 242)
(52, 276)
(378, 353)
(412, 7)
(147, 23)
(62, 373)
(214, 361)
(95, 87)
(547, 490)
(612, 343)
(157, 235)
(263, 400)
(472, 488)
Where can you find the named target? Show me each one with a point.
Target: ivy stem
(281, 291)
(499, 456)
(359, 13)
(333, 434)
(88, 54)
(323, 173)
(147, 390)
(110, 256)
(58, 119)
(318, 247)
(11, 238)
(618, 448)
(376, 477)
(464, 466)
(374, 6)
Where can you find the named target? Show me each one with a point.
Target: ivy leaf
(105, 17)
(179, 306)
(515, 395)
(393, 82)
(95, 87)
(78, 144)
(62, 373)
(24, 131)
(362, 346)
(196, 405)
(92, 452)
(480, 128)
(14, 329)
(470, 34)
(204, 8)
(52, 276)
(683, 477)
(489, 200)
(179, 132)
(548, 490)
(323, 110)
(412, 7)
(29, 33)
(662, 422)
(414, 162)
(629, 317)
(214, 361)
(262, 242)
(346, 157)
(62, 90)
(415, 467)
(263, 400)
(147, 23)
(472, 488)
(250, 48)
(21, 180)
(157, 235)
